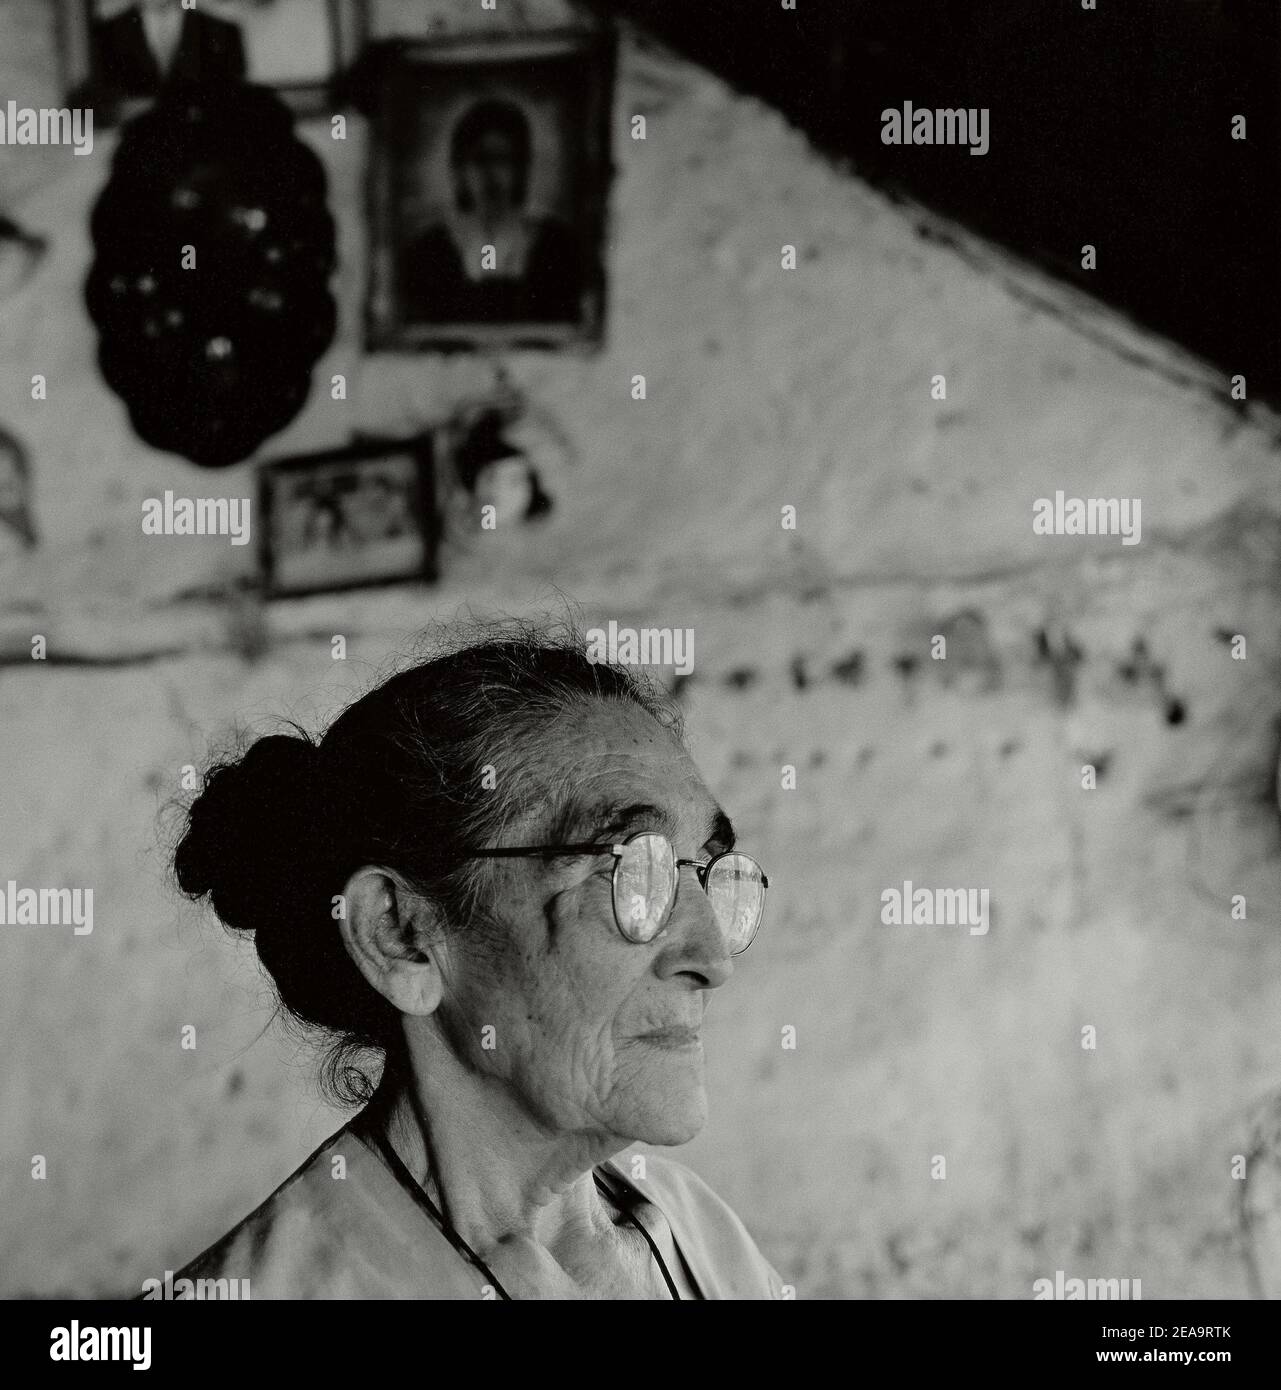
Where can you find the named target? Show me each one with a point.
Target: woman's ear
(393, 936)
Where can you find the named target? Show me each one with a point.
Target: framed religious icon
(349, 517)
(119, 54)
(488, 193)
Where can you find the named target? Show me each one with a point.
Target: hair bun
(253, 839)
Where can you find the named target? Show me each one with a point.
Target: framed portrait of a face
(119, 54)
(488, 193)
(349, 517)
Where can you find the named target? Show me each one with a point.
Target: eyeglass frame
(701, 868)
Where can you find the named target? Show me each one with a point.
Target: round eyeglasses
(646, 877)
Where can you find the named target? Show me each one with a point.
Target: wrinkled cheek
(585, 1064)
(573, 991)
(567, 1067)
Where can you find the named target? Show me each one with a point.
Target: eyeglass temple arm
(551, 851)
(554, 851)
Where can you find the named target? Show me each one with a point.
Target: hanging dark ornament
(210, 284)
(482, 445)
(497, 472)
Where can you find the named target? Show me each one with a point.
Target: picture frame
(361, 515)
(488, 192)
(299, 48)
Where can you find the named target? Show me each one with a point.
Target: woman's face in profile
(489, 175)
(595, 1033)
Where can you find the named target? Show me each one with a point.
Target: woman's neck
(499, 1179)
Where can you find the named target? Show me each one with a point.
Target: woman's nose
(697, 943)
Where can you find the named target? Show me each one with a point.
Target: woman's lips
(673, 1038)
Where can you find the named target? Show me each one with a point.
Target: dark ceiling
(1109, 126)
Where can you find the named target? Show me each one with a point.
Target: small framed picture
(345, 518)
(118, 54)
(488, 193)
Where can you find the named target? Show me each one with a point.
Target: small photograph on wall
(488, 193)
(119, 54)
(345, 518)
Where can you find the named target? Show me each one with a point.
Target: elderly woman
(500, 876)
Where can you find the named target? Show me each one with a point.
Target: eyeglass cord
(416, 1191)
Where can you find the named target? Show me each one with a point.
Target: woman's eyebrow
(611, 818)
(721, 836)
(602, 821)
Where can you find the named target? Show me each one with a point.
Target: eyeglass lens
(644, 886)
(645, 878)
